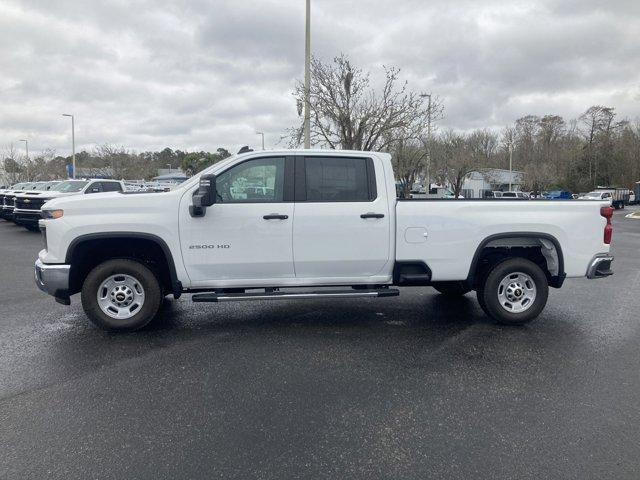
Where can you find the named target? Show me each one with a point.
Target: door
(246, 234)
(342, 222)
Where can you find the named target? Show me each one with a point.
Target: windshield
(216, 166)
(70, 186)
(555, 193)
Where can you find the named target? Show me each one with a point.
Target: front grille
(29, 203)
(9, 200)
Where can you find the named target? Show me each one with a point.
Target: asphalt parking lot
(411, 387)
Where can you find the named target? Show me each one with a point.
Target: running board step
(233, 297)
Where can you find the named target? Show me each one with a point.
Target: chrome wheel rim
(517, 292)
(120, 296)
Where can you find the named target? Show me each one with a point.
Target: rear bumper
(600, 266)
(53, 279)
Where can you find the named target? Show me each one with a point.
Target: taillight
(607, 212)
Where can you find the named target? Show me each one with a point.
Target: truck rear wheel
(451, 289)
(121, 295)
(514, 292)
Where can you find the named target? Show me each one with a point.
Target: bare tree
(408, 162)
(458, 160)
(11, 164)
(348, 113)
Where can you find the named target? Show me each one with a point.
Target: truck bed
(447, 233)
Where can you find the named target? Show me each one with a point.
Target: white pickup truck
(27, 205)
(286, 224)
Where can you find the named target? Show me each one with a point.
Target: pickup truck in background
(296, 224)
(27, 205)
(7, 197)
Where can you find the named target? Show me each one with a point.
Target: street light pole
(307, 78)
(73, 143)
(262, 134)
(510, 163)
(26, 147)
(428, 95)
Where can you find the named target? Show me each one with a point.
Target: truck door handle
(275, 216)
(372, 215)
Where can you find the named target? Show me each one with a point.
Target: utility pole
(26, 147)
(307, 78)
(261, 133)
(73, 143)
(428, 96)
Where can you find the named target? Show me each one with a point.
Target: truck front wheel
(514, 292)
(121, 295)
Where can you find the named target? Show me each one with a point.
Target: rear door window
(111, 187)
(337, 179)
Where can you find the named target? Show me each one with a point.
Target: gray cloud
(201, 74)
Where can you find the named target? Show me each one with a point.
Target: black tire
(152, 295)
(480, 297)
(452, 289)
(489, 289)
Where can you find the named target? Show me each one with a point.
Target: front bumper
(26, 216)
(600, 266)
(7, 213)
(53, 279)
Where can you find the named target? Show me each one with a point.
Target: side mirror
(205, 196)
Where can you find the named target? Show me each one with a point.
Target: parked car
(332, 220)
(510, 195)
(597, 195)
(619, 197)
(28, 204)
(559, 195)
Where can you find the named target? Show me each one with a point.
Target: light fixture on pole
(307, 78)
(262, 134)
(26, 147)
(73, 143)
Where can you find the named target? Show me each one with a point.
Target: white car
(324, 219)
(510, 195)
(597, 195)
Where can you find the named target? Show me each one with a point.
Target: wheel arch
(114, 246)
(512, 240)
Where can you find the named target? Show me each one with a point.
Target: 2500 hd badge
(201, 247)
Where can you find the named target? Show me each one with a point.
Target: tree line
(349, 112)
(107, 161)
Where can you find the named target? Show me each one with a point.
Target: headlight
(51, 214)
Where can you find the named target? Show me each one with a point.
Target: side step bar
(233, 297)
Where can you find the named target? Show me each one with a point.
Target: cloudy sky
(203, 74)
